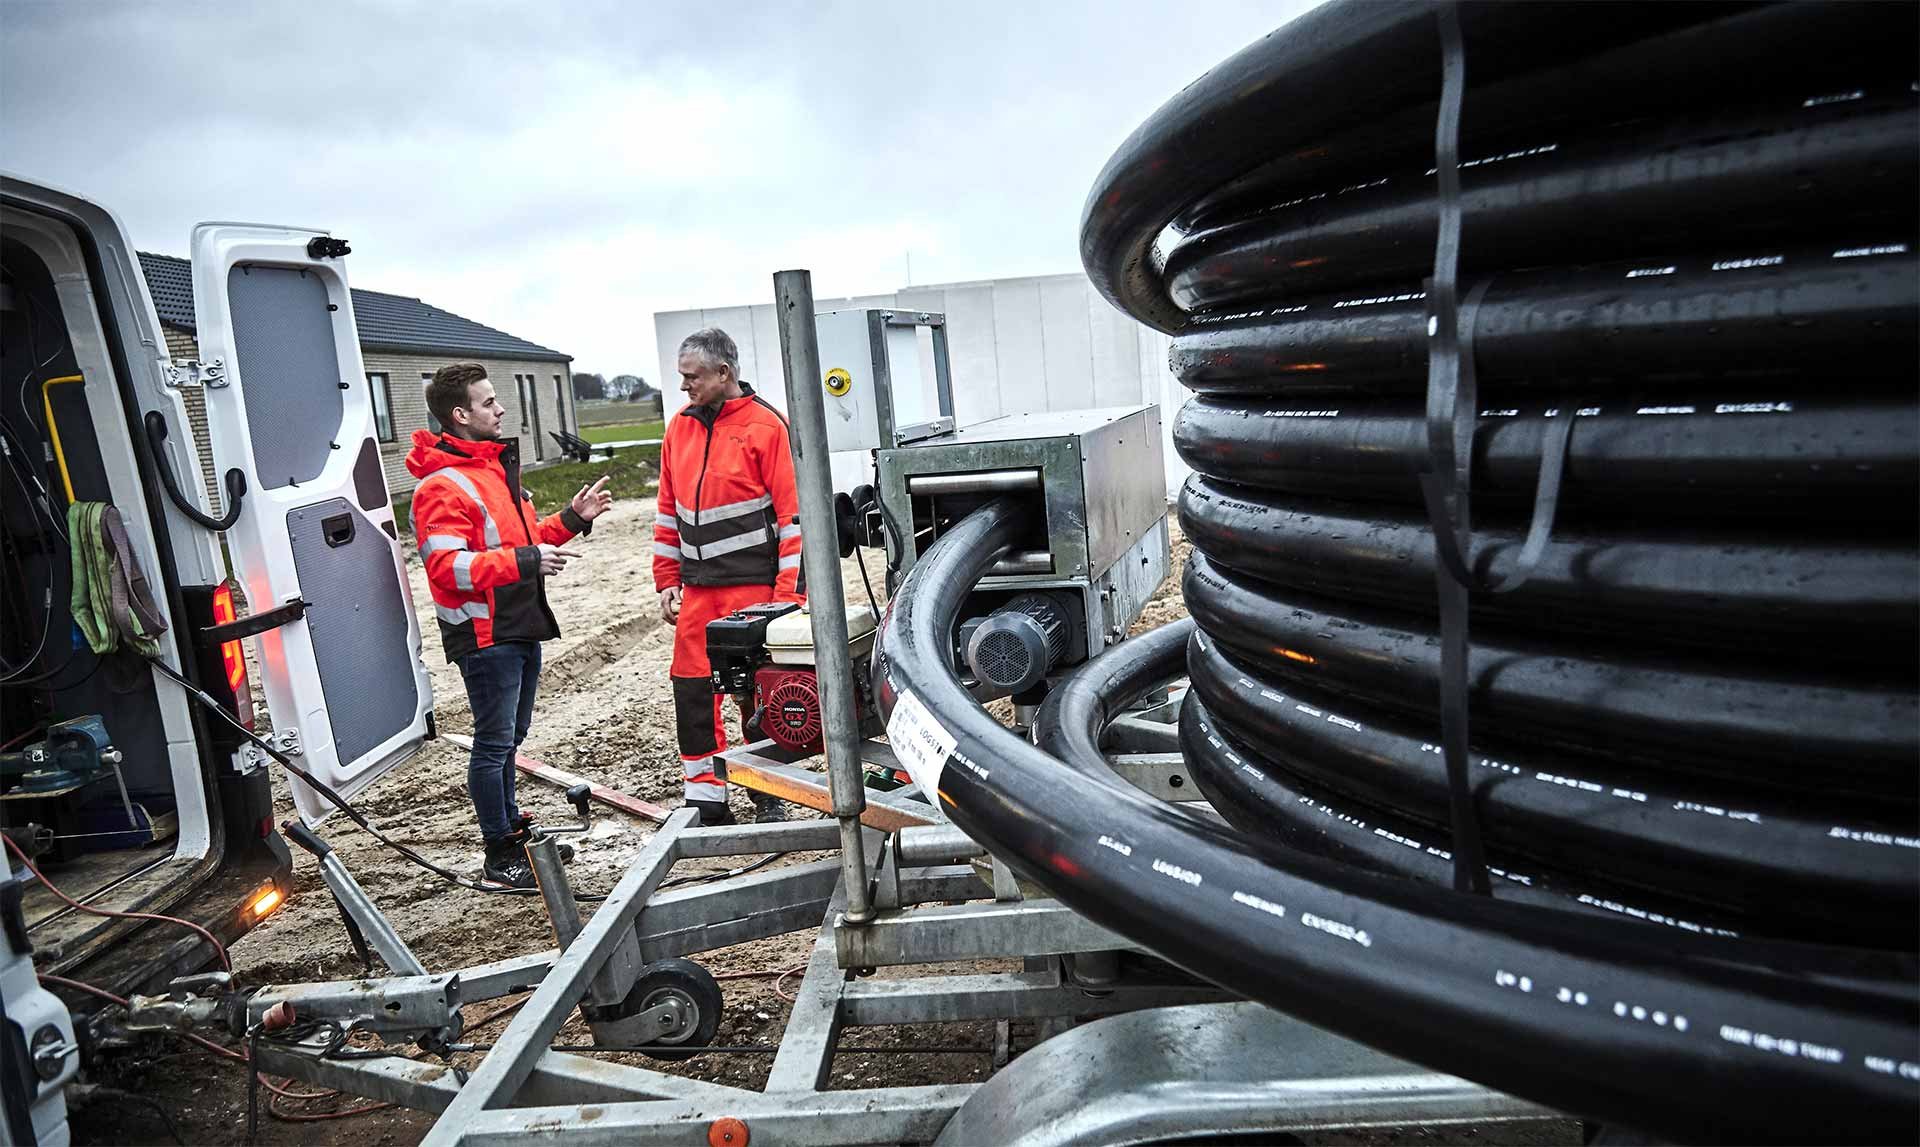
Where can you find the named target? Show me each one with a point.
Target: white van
(128, 795)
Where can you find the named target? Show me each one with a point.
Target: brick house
(403, 341)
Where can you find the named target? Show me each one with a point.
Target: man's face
(484, 414)
(702, 384)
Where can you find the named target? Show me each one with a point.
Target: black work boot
(712, 813)
(767, 808)
(506, 863)
(524, 832)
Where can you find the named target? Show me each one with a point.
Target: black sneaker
(506, 863)
(712, 813)
(767, 808)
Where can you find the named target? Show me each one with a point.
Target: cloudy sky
(563, 170)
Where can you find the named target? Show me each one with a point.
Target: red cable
(17, 740)
(219, 949)
(229, 1053)
(76, 985)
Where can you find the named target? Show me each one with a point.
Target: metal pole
(813, 472)
(555, 889)
(611, 982)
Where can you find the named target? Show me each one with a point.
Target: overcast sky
(564, 170)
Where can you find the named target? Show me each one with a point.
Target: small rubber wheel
(696, 989)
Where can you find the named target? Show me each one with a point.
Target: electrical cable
(353, 814)
(147, 1101)
(219, 949)
(861, 560)
(728, 874)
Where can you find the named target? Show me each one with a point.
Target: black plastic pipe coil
(1618, 1012)
(1690, 229)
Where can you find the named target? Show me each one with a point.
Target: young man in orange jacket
(727, 535)
(488, 556)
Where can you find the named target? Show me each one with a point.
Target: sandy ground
(604, 712)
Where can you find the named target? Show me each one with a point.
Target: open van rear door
(288, 404)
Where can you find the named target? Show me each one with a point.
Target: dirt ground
(604, 712)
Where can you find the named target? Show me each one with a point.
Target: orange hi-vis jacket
(729, 511)
(480, 539)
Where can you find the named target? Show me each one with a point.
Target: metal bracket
(287, 740)
(182, 372)
(250, 759)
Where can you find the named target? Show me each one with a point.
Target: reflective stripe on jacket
(480, 539)
(729, 513)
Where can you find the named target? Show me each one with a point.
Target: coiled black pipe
(1748, 312)
(1555, 203)
(1754, 722)
(1584, 1014)
(1763, 450)
(1842, 599)
(1349, 89)
(1070, 723)
(1688, 258)
(1737, 852)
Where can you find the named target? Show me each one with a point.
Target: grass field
(622, 432)
(596, 412)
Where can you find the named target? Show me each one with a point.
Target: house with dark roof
(403, 341)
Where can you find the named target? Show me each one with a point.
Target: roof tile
(386, 322)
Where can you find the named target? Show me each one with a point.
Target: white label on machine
(921, 743)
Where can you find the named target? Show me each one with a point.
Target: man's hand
(592, 501)
(670, 603)
(553, 559)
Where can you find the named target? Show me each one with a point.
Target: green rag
(112, 603)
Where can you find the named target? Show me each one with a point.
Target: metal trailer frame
(1170, 1056)
(1132, 1049)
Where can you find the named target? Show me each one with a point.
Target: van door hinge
(192, 372)
(287, 741)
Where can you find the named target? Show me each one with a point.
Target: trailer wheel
(695, 989)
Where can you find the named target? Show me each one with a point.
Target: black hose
(1584, 1014)
(1570, 202)
(1741, 853)
(1336, 95)
(1843, 600)
(1723, 313)
(1757, 719)
(1677, 254)
(1819, 450)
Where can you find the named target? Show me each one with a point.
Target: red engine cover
(789, 707)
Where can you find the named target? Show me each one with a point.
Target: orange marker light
(265, 902)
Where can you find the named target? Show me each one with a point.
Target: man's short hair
(715, 348)
(448, 388)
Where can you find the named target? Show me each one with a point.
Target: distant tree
(628, 386)
(588, 385)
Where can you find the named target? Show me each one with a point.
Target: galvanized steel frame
(524, 1089)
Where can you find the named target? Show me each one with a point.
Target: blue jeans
(501, 681)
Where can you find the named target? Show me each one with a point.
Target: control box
(882, 384)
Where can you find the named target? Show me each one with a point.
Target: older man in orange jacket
(727, 535)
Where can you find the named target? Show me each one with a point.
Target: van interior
(104, 775)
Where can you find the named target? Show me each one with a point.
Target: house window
(560, 403)
(530, 413)
(382, 406)
(433, 423)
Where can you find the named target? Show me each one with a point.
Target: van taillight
(233, 657)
